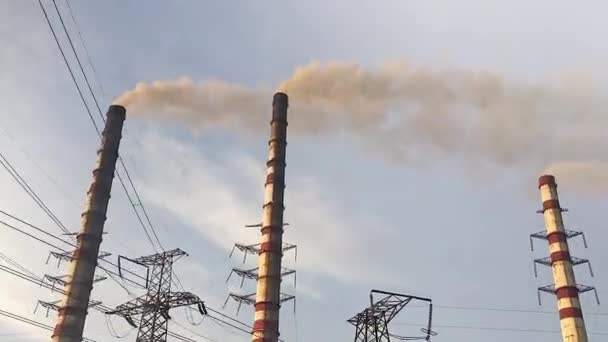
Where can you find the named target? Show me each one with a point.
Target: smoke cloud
(408, 114)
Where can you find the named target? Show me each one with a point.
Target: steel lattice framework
(255, 249)
(371, 324)
(249, 299)
(154, 306)
(254, 273)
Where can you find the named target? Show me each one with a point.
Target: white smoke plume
(406, 113)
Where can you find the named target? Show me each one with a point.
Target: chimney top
(118, 110)
(280, 99)
(547, 180)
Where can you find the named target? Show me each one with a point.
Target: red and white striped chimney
(268, 293)
(570, 313)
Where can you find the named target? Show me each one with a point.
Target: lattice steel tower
(154, 306)
(371, 324)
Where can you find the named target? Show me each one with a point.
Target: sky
(440, 229)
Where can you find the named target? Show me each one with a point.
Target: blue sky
(440, 230)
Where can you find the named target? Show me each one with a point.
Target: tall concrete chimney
(79, 282)
(268, 294)
(569, 305)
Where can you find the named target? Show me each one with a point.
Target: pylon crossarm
(247, 273)
(157, 259)
(543, 235)
(248, 299)
(130, 308)
(144, 304)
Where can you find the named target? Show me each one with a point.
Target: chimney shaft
(570, 313)
(73, 309)
(267, 303)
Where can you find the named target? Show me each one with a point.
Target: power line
(101, 308)
(86, 50)
(192, 331)
(22, 221)
(29, 276)
(32, 236)
(126, 171)
(33, 160)
(250, 331)
(230, 325)
(141, 204)
(16, 264)
(67, 64)
(86, 79)
(32, 322)
(55, 246)
(515, 310)
(134, 203)
(92, 119)
(464, 327)
(28, 189)
(6, 224)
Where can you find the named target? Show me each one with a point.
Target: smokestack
(267, 301)
(569, 305)
(73, 309)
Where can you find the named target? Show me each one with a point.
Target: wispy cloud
(215, 199)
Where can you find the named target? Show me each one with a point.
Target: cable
(86, 79)
(126, 171)
(86, 50)
(59, 248)
(32, 236)
(496, 329)
(16, 264)
(32, 322)
(230, 325)
(112, 330)
(510, 310)
(67, 64)
(250, 332)
(190, 317)
(193, 332)
(33, 160)
(134, 204)
(528, 311)
(230, 318)
(141, 205)
(28, 189)
(56, 238)
(100, 307)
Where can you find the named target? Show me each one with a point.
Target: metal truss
(546, 261)
(55, 307)
(543, 235)
(255, 249)
(162, 302)
(542, 211)
(48, 306)
(579, 288)
(371, 324)
(575, 262)
(66, 256)
(253, 274)
(154, 306)
(61, 280)
(249, 299)
(259, 225)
